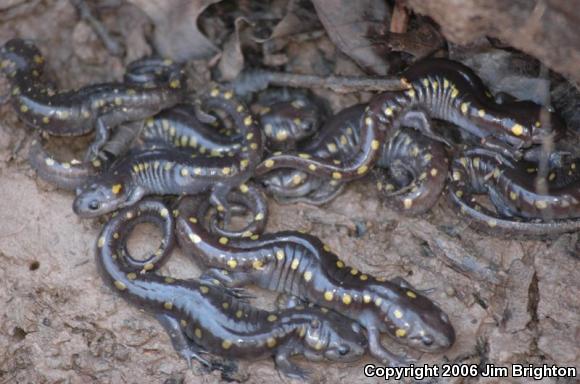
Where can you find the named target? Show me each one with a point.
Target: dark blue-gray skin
(439, 89)
(99, 107)
(301, 265)
(523, 207)
(410, 173)
(203, 317)
(167, 171)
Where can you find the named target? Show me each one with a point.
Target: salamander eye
(343, 350)
(94, 205)
(427, 340)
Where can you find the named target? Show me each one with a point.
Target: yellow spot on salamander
(271, 342)
(164, 212)
(328, 296)
(388, 111)
(148, 267)
(194, 238)
(197, 333)
(434, 172)
(312, 167)
(411, 294)
(454, 92)
(464, 108)
(541, 204)
(513, 196)
(375, 145)
(168, 305)
(239, 313)
(244, 188)
(226, 170)
(339, 263)
(258, 265)
(407, 203)
(49, 161)
(517, 129)
(362, 170)
(259, 216)
(398, 314)
(481, 113)
(280, 255)
(248, 121)
(295, 264)
(368, 121)
(228, 95)
(332, 148)
(346, 299)
(336, 175)
(120, 285)
(492, 223)
(203, 289)
(215, 92)
(307, 276)
(411, 93)
(269, 163)
(272, 318)
(232, 263)
(378, 301)
(223, 240)
(23, 108)
(400, 332)
(353, 271)
(226, 344)
(175, 84)
(364, 277)
(101, 242)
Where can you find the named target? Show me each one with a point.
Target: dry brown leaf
(232, 60)
(348, 23)
(177, 35)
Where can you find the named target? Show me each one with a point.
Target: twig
(257, 80)
(111, 44)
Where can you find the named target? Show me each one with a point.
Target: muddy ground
(510, 301)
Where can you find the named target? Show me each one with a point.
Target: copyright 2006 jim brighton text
(419, 372)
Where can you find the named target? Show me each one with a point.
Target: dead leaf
(348, 24)
(232, 61)
(177, 35)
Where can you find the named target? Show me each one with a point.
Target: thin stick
(257, 80)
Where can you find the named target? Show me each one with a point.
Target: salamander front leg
(420, 120)
(101, 137)
(186, 347)
(379, 352)
(284, 365)
(227, 280)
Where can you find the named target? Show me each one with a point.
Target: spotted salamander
(77, 112)
(303, 266)
(337, 140)
(203, 317)
(167, 171)
(514, 194)
(440, 89)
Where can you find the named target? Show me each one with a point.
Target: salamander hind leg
(284, 365)
(231, 282)
(186, 347)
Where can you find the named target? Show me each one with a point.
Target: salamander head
(334, 337)
(414, 320)
(98, 198)
(20, 55)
